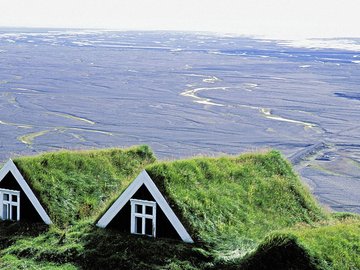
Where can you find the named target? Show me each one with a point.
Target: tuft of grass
(328, 246)
(336, 246)
(79, 184)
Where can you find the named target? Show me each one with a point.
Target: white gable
(11, 167)
(144, 179)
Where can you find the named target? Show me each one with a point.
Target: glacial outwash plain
(187, 94)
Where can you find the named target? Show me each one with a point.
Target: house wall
(27, 210)
(121, 221)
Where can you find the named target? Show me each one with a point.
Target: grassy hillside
(325, 246)
(244, 212)
(73, 185)
(232, 203)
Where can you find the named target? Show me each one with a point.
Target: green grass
(335, 246)
(244, 212)
(85, 246)
(233, 203)
(10, 262)
(73, 185)
(331, 246)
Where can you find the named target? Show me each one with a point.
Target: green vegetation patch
(10, 262)
(73, 185)
(333, 246)
(85, 246)
(232, 203)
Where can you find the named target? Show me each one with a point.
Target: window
(9, 204)
(143, 217)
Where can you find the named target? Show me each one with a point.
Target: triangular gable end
(144, 179)
(11, 167)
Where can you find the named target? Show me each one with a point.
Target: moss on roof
(73, 185)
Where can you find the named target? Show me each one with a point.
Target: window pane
(5, 211)
(14, 198)
(138, 225)
(6, 197)
(138, 208)
(148, 227)
(13, 212)
(149, 210)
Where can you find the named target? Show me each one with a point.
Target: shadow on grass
(88, 247)
(109, 249)
(280, 254)
(11, 231)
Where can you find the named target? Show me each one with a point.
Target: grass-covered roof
(233, 202)
(236, 209)
(73, 185)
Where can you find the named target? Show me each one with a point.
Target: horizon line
(206, 32)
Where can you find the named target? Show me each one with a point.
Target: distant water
(186, 94)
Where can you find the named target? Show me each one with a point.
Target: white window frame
(143, 179)
(9, 203)
(143, 216)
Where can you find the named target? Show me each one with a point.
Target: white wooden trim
(10, 190)
(11, 167)
(144, 179)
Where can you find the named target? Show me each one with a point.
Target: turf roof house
(142, 209)
(17, 200)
